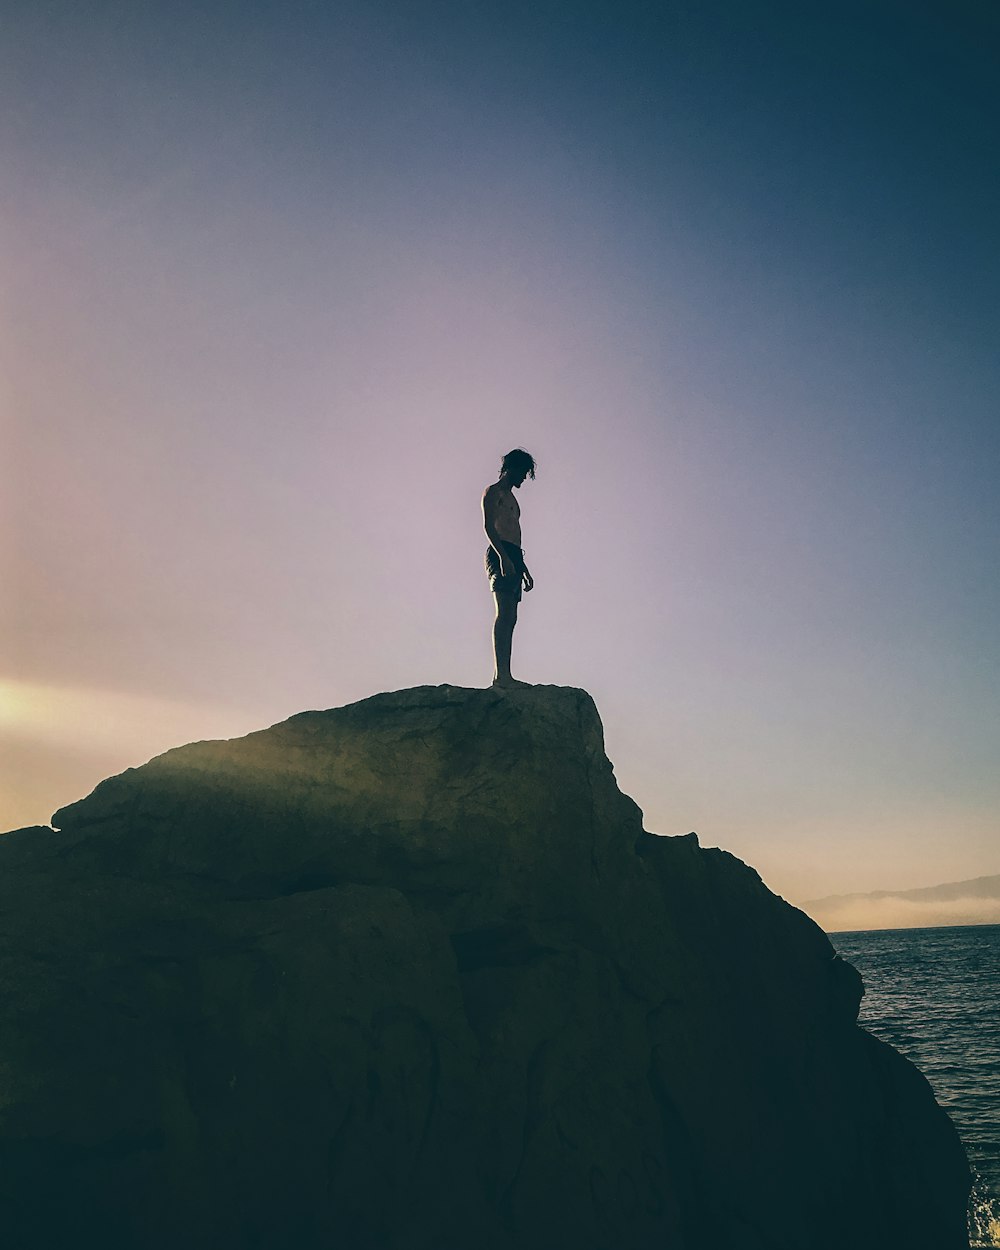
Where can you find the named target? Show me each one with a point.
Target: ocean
(934, 994)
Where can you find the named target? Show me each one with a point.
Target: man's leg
(503, 631)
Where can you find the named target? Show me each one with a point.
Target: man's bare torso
(506, 512)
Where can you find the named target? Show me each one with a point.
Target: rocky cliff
(410, 974)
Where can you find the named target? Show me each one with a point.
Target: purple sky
(280, 286)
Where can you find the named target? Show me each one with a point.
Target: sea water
(934, 994)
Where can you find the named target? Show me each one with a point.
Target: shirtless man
(505, 565)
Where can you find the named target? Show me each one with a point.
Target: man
(505, 565)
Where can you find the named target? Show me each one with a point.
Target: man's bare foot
(508, 683)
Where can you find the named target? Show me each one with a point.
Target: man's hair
(516, 460)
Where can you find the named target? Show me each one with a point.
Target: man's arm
(490, 503)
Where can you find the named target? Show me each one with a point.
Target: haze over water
(281, 284)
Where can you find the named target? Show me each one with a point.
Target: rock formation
(409, 975)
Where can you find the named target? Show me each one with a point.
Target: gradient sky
(281, 283)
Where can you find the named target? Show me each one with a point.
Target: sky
(280, 284)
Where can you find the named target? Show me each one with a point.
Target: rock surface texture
(409, 975)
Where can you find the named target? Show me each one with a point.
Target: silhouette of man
(505, 565)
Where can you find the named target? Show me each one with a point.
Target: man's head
(517, 465)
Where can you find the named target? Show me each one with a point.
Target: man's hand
(527, 579)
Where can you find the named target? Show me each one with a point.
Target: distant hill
(958, 902)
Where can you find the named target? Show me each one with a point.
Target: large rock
(409, 973)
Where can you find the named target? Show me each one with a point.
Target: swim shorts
(499, 584)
